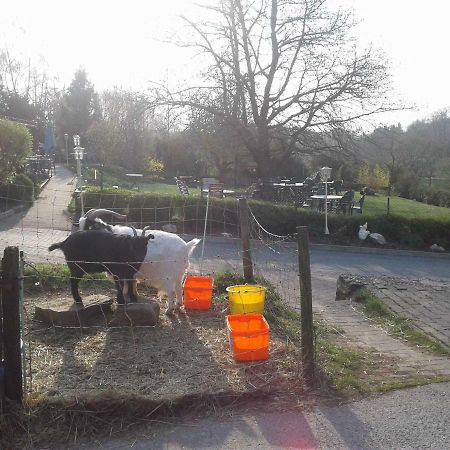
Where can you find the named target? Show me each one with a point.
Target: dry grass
(188, 354)
(102, 380)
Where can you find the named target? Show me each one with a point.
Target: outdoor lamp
(66, 138)
(326, 172)
(79, 153)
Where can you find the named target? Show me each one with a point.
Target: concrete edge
(44, 183)
(336, 248)
(372, 250)
(12, 211)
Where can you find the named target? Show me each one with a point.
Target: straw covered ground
(99, 381)
(188, 354)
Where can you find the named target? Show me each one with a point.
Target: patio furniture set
(208, 186)
(309, 193)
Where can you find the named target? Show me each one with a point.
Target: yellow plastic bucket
(246, 298)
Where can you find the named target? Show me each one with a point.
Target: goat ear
(150, 236)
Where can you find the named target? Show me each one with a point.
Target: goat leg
(132, 290)
(120, 286)
(75, 292)
(171, 305)
(179, 294)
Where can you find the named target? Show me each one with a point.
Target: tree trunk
(261, 153)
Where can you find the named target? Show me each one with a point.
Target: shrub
(436, 197)
(409, 186)
(375, 177)
(15, 146)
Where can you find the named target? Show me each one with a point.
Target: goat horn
(98, 213)
(134, 230)
(148, 227)
(87, 213)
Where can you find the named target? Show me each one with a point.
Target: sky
(122, 43)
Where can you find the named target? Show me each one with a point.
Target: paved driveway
(326, 264)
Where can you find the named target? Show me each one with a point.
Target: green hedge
(434, 197)
(412, 190)
(189, 213)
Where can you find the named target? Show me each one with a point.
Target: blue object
(49, 141)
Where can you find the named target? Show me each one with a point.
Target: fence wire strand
(182, 355)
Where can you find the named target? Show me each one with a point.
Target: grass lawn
(373, 205)
(161, 188)
(410, 209)
(110, 180)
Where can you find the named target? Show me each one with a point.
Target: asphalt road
(417, 418)
(326, 264)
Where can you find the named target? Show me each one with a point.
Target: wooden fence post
(245, 239)
(11, 279)
(307, 333)
(2, 368)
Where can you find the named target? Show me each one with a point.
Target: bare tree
(429, 145)
(280, 67)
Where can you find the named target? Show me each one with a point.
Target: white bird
(363, 232)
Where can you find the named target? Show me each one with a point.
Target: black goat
(94, 251)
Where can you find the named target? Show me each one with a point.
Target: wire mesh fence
(71, 352)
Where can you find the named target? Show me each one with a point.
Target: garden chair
(345, 204)
(205, 183)
(358, 207)
(216, 190)
(182, 186)
(301, 199)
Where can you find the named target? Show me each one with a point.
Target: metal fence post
(245, 240)
(307, 333)
(11, 279)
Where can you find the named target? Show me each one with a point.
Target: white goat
(165, 264)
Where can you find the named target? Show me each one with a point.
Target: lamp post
(326, 172)
(66, 138)
(78, 153)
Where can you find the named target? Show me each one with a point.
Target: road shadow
(350, 428)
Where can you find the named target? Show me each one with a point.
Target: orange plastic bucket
(249, 336)
(197, 292)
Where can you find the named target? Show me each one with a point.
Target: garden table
(226, 192)
(316, 199)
